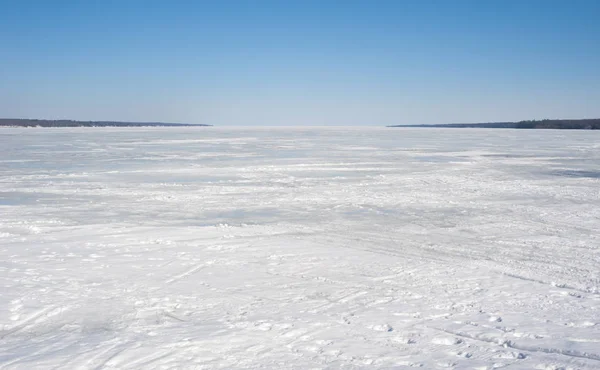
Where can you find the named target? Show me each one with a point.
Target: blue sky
(300, 62)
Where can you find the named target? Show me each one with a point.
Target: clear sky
(307, 62)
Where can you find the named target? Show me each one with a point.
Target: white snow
(299, 248)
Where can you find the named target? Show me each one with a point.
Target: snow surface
(168, 248)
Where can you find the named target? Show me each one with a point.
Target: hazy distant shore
(17, 122)
(558, 124)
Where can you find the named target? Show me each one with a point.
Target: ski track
(218, 248)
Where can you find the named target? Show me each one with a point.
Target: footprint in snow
(511, 355)
(404, 340)
(461, 354)
(446, 341)
(383, 327)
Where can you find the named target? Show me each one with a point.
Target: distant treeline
(18, 122)
(560, 124)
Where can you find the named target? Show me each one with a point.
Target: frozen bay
(299, 248)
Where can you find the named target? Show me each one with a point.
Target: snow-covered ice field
(170, 248)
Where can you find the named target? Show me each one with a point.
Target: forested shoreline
(18, 122)
(558, 124)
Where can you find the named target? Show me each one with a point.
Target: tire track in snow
(23, 324)
(189, 272)
(523, 347)
(103, 362)
(563, 286)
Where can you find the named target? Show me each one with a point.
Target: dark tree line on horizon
(19, 122)
(559, 124)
